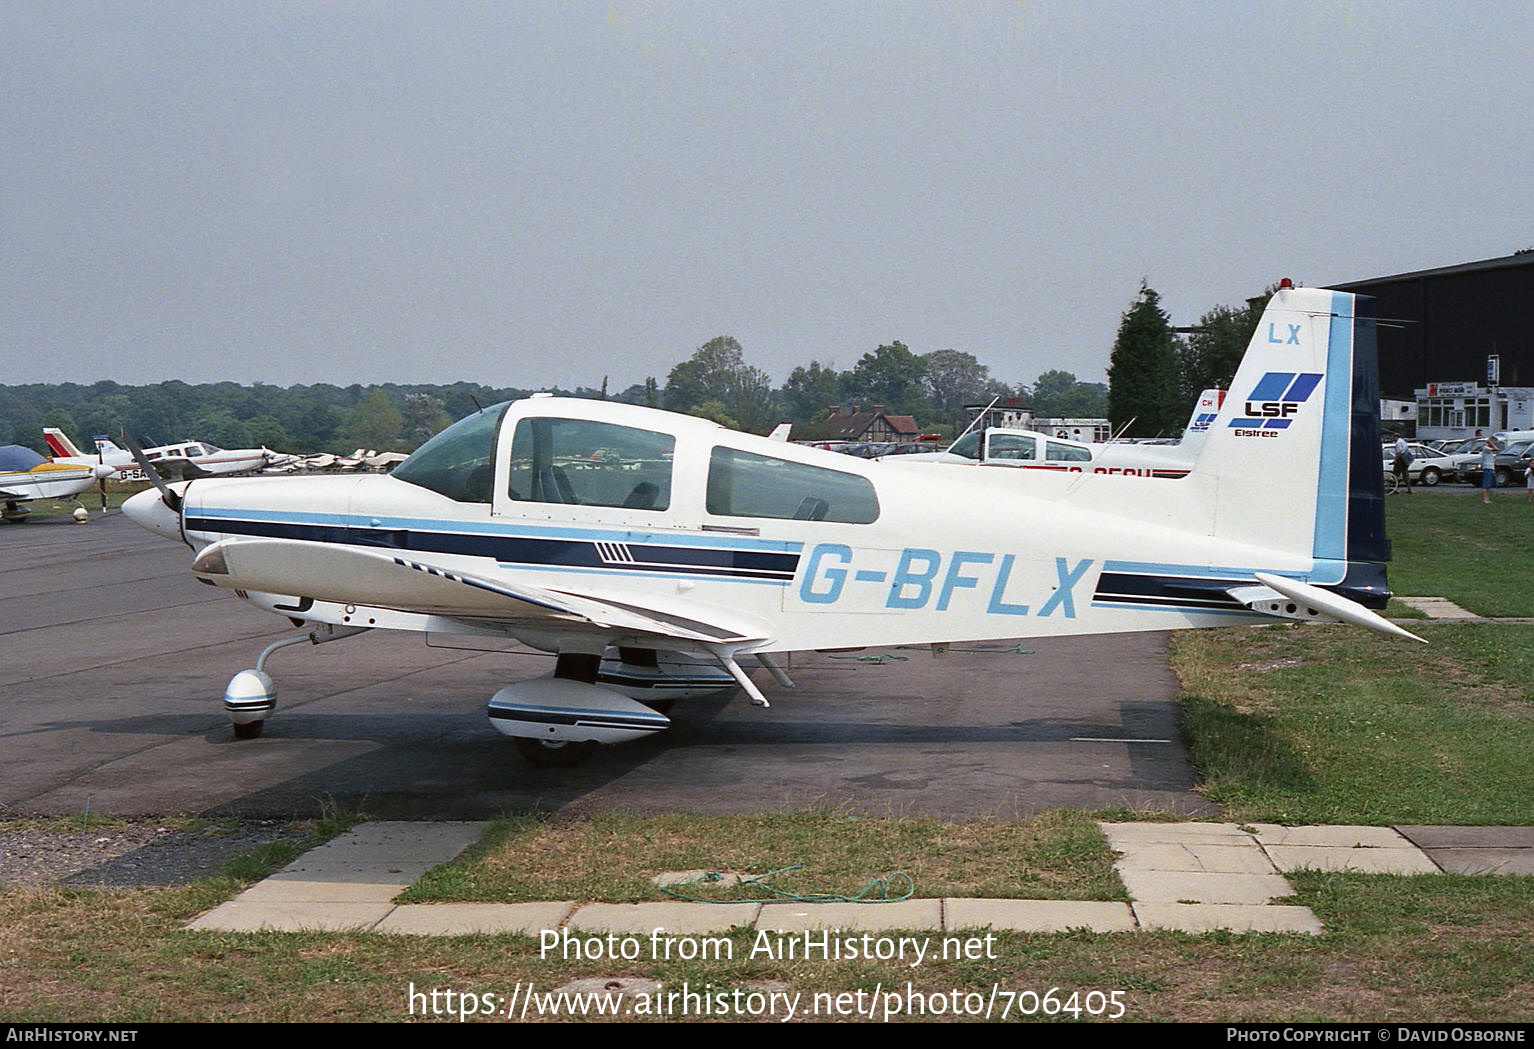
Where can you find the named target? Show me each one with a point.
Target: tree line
(1154, 376)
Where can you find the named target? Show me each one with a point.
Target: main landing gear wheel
(553, 753)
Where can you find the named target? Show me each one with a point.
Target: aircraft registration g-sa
(618, 536)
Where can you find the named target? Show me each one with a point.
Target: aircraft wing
(179, 466)
(406, 581)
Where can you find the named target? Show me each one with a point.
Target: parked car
(1427, 466)
(1511, 464)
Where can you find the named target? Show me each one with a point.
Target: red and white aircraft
(189, 458)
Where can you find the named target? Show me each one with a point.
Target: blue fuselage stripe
(586, 554)
(1337, 420)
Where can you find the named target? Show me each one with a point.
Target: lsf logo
(1275, 400)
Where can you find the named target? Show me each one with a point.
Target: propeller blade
(168, 497)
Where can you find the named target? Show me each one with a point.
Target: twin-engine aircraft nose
(148, 510)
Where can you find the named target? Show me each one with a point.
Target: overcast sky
(528, 194)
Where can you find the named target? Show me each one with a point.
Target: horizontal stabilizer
(1291, 599)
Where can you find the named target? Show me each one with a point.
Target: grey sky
(527, 194)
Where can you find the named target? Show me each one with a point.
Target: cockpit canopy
(565, 457)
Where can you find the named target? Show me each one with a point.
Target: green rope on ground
(880, 890)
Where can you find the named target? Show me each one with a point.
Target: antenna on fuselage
(976, 419)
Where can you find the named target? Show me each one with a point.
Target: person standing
(1488, 466)
(1402, 462)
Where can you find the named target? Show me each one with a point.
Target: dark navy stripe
(522, 550)
(1363, 582)
(1160, 590)
(1365, 538)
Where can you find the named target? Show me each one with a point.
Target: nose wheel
(250, 699)
(248, 730)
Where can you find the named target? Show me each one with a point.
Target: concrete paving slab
(290, 916)
(1211, 859)
(1364, 861)
(1198, 887)
(340, 891)
(406, 841)
(469, 919)
(1037, 915)
(1181, 833)
(1428, 837)
(1436, 607)
(852, 917)
(1484, 861)
(1347, 837)
(675, 917)
(400, 875)
(1202, 918)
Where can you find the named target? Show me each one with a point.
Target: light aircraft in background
(1040, 450)
(189, 458)
(25, 475)
(613, 535)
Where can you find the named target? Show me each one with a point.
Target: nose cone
(148, 510)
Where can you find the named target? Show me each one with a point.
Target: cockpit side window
(1010, 446)
(1067, 453)
(460, 461)
(742, 484)
(590, 463)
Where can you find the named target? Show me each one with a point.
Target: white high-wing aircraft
(587, 528)
(1040, 450)
(194, 458)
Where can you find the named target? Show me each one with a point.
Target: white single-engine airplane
(1039, 450)
(619, 537)
(190, 458)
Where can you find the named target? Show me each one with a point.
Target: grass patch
(1440, 948)
(1329, 725)
(1453, 546)
(614, 856)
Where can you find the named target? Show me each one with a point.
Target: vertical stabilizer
(59, 444)
(1295, 452)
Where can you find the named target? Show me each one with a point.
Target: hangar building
(1456, 340)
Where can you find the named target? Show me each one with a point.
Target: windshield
(460, 461)
(967, 446)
